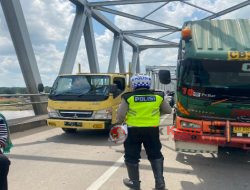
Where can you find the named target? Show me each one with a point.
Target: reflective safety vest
(144, 108)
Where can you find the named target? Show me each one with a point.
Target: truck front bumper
(78, 124)
(205, 136)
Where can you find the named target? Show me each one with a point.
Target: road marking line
(105, 176)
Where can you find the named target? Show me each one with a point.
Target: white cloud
(49, 23)
(10, 73)
(104, 45)
(172, 14)
(175, 14)
(48, 20)
(6, 47)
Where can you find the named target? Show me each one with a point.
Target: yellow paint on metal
(244, 130)
(85, 124)
(80, 105)
(182, 109)
(238, 55)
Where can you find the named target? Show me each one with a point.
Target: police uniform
(142, 109)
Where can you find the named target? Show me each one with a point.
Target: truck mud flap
(195, 147)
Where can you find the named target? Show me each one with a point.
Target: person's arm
(165, 108)
(121, 112)
(3, 133)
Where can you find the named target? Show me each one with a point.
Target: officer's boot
(133, 174)
(157, 166)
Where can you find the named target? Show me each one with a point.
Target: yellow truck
(85, 101)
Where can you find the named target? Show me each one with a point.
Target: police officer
(141, 109)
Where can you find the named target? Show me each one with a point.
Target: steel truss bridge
(83, 25)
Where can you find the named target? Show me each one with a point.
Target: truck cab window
(120, 82)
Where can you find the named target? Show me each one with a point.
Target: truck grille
(217, 129)
(75, 114)
(220, 130)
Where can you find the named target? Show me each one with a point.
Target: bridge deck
(47, 158)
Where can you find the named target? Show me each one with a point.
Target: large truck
(85, 101)
(213, 86)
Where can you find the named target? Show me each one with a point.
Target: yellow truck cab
(85, 101)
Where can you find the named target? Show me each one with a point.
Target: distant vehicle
(213, 85)
(85, 101)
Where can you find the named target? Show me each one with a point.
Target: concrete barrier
(22, 124)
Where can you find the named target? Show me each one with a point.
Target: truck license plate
(245, 130)
(73, 124)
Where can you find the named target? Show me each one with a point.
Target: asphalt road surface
(48, 159)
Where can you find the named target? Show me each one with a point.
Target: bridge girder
(25, 54)
(85, 12)
(73, 41)
(126, 2)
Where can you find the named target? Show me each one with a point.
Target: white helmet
(141, 81)
(118, 134)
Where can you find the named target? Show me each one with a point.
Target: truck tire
(68, 130)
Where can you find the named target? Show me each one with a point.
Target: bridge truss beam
(91, 46)
(231, 9)
(147, 31)
(121, 60)
(144, 47)
(120, 13)
(73, 41)
(21, 40)
(135, 58)
(114, 54)
(126, 2)
(112, 27)
(85, 12)
(138, 65)
(153, 39)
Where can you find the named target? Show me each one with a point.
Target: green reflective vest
(144, 108)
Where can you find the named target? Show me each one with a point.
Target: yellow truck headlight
(52, 113)
(103, 114)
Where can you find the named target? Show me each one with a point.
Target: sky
(49, 23)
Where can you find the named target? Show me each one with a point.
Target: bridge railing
(22, 99)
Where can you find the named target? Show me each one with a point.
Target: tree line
(19, 90)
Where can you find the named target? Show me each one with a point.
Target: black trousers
(4, 170)
(149, 137)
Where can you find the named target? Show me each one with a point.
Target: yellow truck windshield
(81, 87)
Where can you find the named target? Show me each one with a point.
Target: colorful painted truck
(213, 86)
